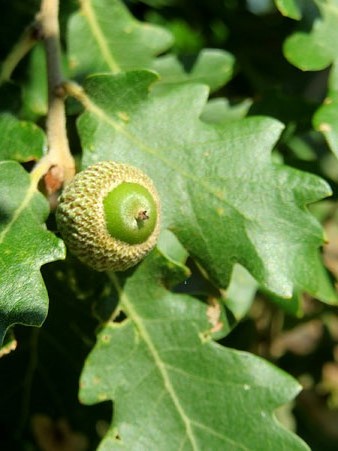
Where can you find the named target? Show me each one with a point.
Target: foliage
(239, 141)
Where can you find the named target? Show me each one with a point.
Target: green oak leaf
(131, 44)
(326, 118)
(172, 386)
(219, 110)
(20, 140)
(104, 36)
(169, 246)
(221, 194)
(212, 67)
(314, 45)
(241, 292)
(25, 245)
(290, 8)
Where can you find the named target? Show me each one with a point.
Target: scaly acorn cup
(109, 216)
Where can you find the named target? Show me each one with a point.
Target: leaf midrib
(98, 36)
(163, 370)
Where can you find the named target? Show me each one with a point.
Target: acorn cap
(81, 218)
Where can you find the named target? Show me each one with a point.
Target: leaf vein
(218, 435)
(89, 13)
(25, 201)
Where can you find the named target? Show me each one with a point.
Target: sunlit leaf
(227, 201)
(168, 379)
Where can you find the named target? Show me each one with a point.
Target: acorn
(109, 216)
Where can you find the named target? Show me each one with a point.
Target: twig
(23, 46)
(58, 165)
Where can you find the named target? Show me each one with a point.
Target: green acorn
(109, 215)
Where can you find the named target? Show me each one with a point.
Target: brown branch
(58, 165)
